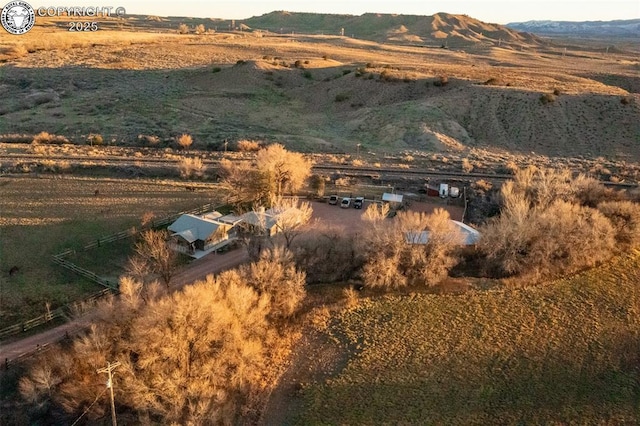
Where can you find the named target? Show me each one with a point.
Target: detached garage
(392, 198)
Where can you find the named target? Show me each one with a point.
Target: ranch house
(199, 235)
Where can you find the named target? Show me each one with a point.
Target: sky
(493, 11)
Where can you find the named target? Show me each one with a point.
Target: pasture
(44, 215)
(565, 353)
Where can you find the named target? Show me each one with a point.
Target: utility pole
(110, 367)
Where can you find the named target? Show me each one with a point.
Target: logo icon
(18, 17)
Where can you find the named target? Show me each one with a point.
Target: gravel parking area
(350, 219)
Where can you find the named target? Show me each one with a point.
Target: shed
(392, 198)
(432, 190)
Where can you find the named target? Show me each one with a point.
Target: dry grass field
(565, 353)
(320, 92)
(42, 216)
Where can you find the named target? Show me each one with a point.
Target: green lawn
(565, 353)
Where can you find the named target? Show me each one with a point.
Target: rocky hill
(327, 93)
(441, 29)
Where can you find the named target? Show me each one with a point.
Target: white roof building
(392, 198)
(470, 236)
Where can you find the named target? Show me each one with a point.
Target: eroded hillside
(325, 93)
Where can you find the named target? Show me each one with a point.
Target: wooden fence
(110, 287)
(62, 312)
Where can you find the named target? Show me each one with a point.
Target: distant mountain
(619, 28)
(440, 29)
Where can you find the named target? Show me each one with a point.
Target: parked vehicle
(346, 203)
(444, 190)
(358, 202)
(333, 199)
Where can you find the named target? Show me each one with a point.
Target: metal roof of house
(188, 235)
(192, 228)
(471, 235)
(259, 219)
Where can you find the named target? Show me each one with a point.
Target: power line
(89, 407)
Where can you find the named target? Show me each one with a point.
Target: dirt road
(196, 270)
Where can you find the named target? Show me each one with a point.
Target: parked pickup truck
(358, 202)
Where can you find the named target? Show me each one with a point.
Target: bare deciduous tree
(318, 185)
(328, 254)
(625, 218)
(381, 271)
(203, 347)
(154, 254)
(189, 358)
(275, 275)
(247, 185)
(183, 29)
(376, 212)
(546, 226)
(291, 215)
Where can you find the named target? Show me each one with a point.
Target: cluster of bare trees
(192, 357)
(415, 249)
(552, 222)
(328, 254)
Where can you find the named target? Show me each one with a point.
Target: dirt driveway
(195, 271)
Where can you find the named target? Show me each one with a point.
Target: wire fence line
(110, 287)
(64, 312)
